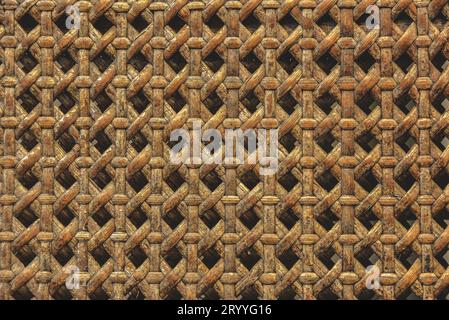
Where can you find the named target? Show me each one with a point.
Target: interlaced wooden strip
(89, 192)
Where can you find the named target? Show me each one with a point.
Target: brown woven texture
(87, 182)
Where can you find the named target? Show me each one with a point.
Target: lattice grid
(87, 183)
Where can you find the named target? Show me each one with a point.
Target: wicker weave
(86, 116)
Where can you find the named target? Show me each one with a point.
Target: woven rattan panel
(89, 191)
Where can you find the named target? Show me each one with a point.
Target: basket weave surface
(87, 182)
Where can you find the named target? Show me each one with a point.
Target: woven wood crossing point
(90, 92)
